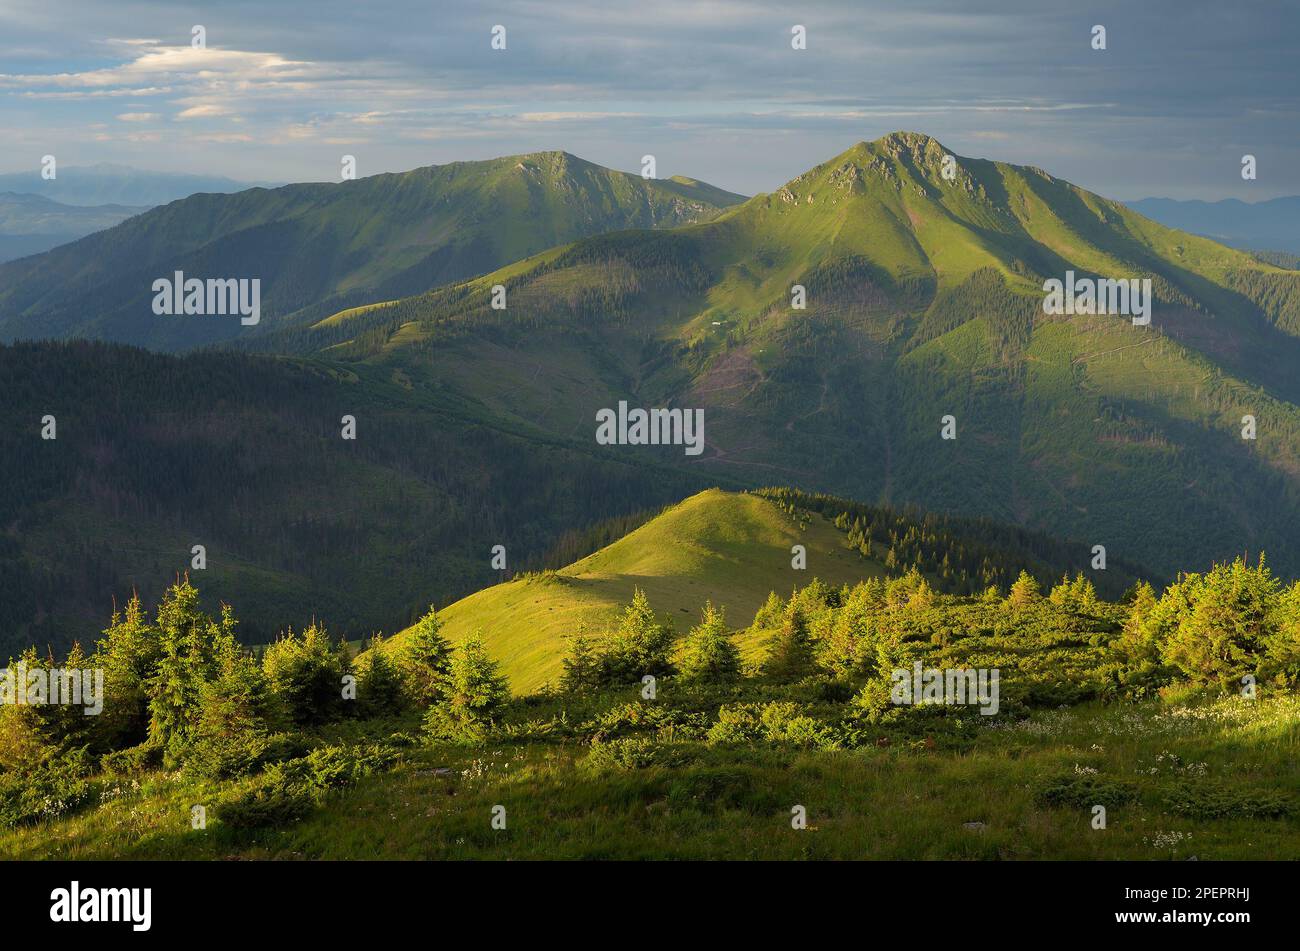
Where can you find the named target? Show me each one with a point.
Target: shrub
(134, 759)
(640, 717)
(709, 788)
(633, 752)
(275, 799)
(54, 788)
(1084, 792)
(736, 725)
(288, 791)
(780, 722)
(1222, 802)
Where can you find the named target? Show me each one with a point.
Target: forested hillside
(155, 454)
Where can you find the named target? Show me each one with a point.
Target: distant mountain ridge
(107, 184)
(321, 247)
(30, 224)
(1272, 225)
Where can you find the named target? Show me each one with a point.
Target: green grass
(898, 802)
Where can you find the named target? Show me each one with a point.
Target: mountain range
(316, 248)
(924, 300)
(1260, 226)
(922, 282)
(107, 184)
(30, 224)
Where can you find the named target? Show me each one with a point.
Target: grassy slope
(733, 549)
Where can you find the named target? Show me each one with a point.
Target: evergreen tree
(581, 664)
(790, 651)
(640, 645)
(1024, 592)
(425, 660)
(379, 684)
(305, 675)
(189, 643)
(1226, 619)
(770, 614)
(475, 696)
(129, 653)
(708, 652)
(235, 712)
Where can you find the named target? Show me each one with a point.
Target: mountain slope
(319, 247)
(924, 300)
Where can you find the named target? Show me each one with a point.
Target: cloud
(205, 111)
(137, 116)
(714, 88)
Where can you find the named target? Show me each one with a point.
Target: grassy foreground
(987, 799)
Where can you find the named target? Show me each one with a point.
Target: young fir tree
(425, 660)
(770, 614)
(128, 653)
(1233, 613)
(189, 643)
(640, 645)
(708, 653)
(1024, 592)
(1137, 642)
(476, 693)
(581, 664)
(379, 684)
(790, 651)
(305, 675)
(235, 714)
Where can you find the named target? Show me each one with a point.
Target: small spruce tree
(708, 652)
(425, 660)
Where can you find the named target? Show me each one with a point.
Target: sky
(714, 90)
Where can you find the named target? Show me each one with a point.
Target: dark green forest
(244, 455)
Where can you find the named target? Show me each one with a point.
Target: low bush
(1213, 801)
(54, 788)
(1084, 792)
